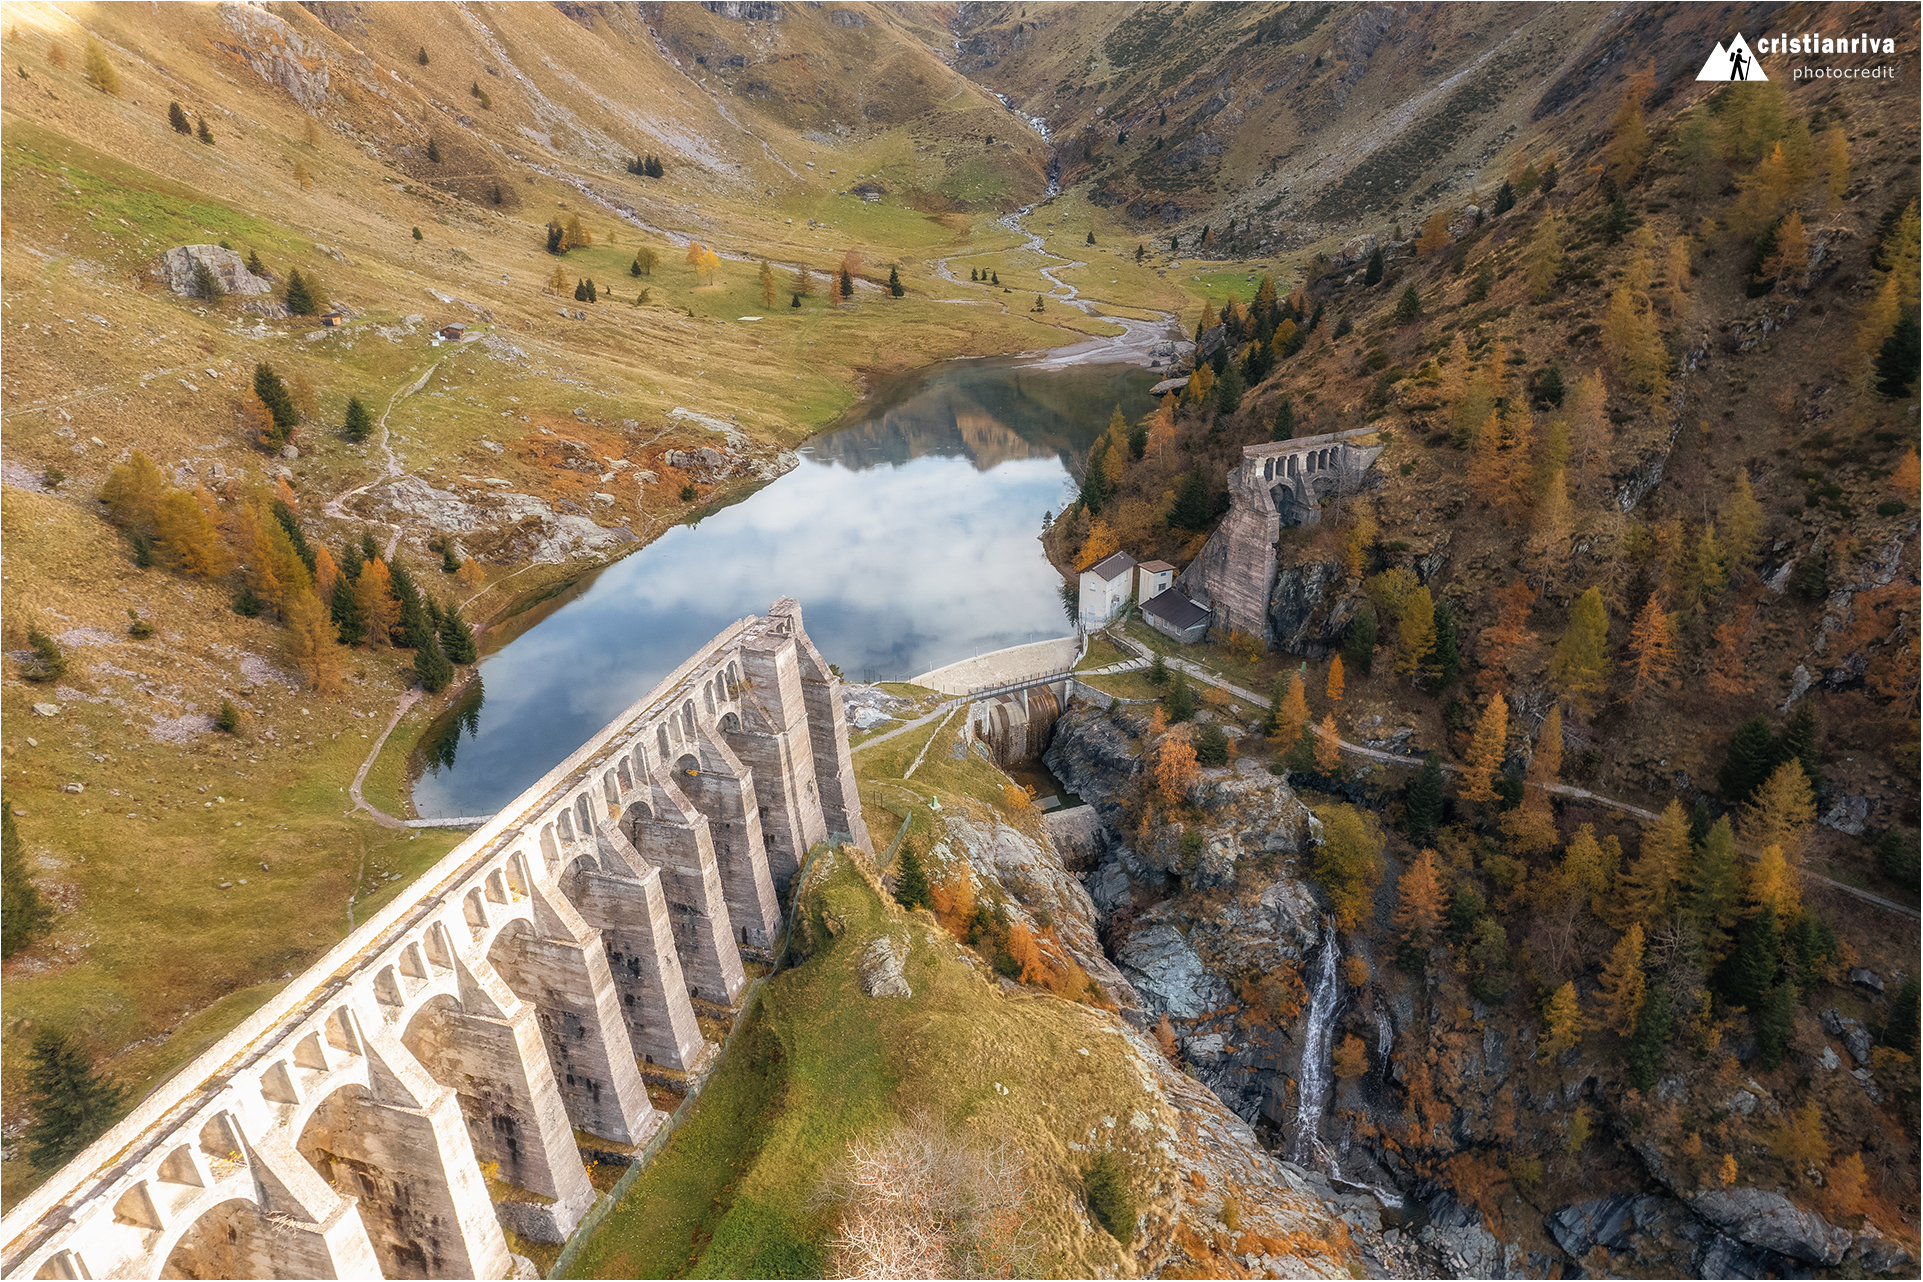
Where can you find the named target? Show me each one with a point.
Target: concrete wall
(1277, 483)
(423, 1084)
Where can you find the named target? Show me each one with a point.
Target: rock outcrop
(1773, 1222)
(177, 265)
(881, 969)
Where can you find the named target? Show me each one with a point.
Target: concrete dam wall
(425, 1083)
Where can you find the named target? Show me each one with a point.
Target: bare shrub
(918, 1201)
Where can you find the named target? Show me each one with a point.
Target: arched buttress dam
(424, 1083)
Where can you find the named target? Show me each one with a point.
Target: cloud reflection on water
(904, 550)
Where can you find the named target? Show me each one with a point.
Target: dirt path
(336, 506)
(380, 816)
(1560, 789)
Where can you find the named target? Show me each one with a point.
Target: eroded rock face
(1041, 890)
(1773, 1222)
(1309, 613)
(177, 269)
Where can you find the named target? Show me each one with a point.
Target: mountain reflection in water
(910, 539)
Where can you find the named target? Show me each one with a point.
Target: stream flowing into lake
(910, 537)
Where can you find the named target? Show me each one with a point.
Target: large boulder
(177, 269)
(1773, 1222)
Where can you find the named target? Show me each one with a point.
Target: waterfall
(1385, 1036)
(1317, 1046)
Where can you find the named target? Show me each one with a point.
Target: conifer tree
(1587, 867)
(24, 915)
(1333, 690)
(1545, 259)
(1422, 801)
(1532, 824)
(1486, 751)
(1372, 274)
(1328, 745)
(202, 132)
(457, 638)
(300, 299)
(178, 119)
(1419, 898)
(343, 608)
(1445, 662)
(358, 425)
(187, 536)
(1284, 429)
(1799, 742)
(1580, 664)
(1771, 885)
(1505, 199)
(1648, 890)
(1715, 892)
(1780, 813)
(100, 72)
(1359, 639)
(1562, 1024)
(433, 151)
(1750, 970)
(911, 882)
(1193, 508)
(1416, 632)
(309, 642)
(1180, 700)
(1292, 718)
(71, 1104)
(1652, 640)
(1646, 1047)
(895, 289)
(1623, 986)
(1408, 306)
(431, 667)
(374, 599)
(1749, 759)
(132, 493)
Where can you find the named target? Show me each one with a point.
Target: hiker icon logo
(1733, 63)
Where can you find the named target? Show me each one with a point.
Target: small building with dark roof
(1173, 614)
(1106, 587)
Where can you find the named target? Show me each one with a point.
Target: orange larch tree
(1486, 752)
(1652, 639)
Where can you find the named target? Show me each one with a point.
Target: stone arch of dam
(423, 1085)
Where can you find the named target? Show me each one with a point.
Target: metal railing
(1026, 683)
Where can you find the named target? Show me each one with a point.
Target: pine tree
(895, 289)
(1545, 259)
(1505, 200)
(24, 915)
(1486, 751)
(1532, 824)
(1652, 640)
(1193, 508)
(1358, 640)
(359, 426)
(1179, 702)
(1751, 969)
(290, 525)
(186, 535)
(1562, 1024)
(431, 667)
(1799, 742)
(457, 638)
(1418, 909)
(1284, 429)
(1651, 1039)
(132, 493)
(71, 1104)
(1580, 664)
(1333, 690)
(1422, 801)
(911, 882)
(1748, 760)
(847, 284)
(202, 132)
(1408, 306)
(1587, 868)
(1775, 1024)
(300, 298)
(1623, 986)
(228, 719)
(1372, 274)
(1211, 745)
(343, 608)
(1445, 662)
(309, 642)
(1715, 892)
(433, 151)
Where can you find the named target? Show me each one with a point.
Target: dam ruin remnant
(424, 1084)
(1278, 483)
